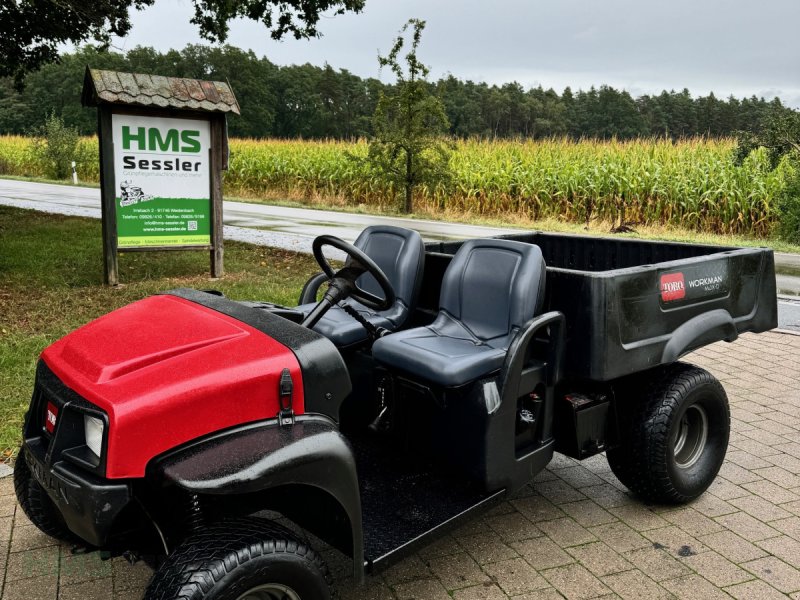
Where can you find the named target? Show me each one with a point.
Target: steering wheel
(343, 282)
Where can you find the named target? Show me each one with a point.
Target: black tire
(233, 557)
(37, 505)
(674, 430)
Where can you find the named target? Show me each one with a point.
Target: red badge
(672, 287)
(50, 416)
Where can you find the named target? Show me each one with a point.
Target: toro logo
(672, 287)
(50, 416)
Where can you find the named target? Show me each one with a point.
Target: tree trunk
(409, 205)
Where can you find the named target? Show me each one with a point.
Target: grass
(51, 283)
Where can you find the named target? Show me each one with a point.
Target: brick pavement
(574, 532)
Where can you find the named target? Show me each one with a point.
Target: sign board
(163, 146)
(162, 181)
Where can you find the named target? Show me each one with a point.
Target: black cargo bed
(631, 304)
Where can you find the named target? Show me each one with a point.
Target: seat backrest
(400, 254)
(493, 287)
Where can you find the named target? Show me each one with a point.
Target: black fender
(696, 332)
(265, 456)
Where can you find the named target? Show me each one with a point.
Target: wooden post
(108, 196)
(218, 161)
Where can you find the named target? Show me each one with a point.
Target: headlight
(93, 429)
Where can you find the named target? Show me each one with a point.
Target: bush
(55, 145)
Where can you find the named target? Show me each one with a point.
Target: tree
(407, 146)
(31, 31)
(780, 138)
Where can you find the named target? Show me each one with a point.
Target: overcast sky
(739, 47)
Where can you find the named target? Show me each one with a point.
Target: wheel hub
(690, 440)
(270, 591)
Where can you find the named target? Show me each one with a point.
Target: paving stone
(759, 508)
(409, 568)
(512, 527)
(515, 576)
(620, 537)
(733, 547)
(692, 522)
(656, 563)
(542, 553)
(77, 568)
(566, 532)
(600, 558)
(457, 571)
(442, 547)
(28, 537)
(635, 585)
(711, 506)
(639, 517)
(34, 588)
(97, 589)
(587, 513)
(717, 569)
(480, 592)
(755, 590)
(607, 495)
(424, 589)
(130, 577)
(578, 476)
(747, 526)
(725, 490)
(546, 594)
(32, 563)
(790, 526)
(487, 548)
(779, 476)
(676, 540)
(784, 547)
(693, 587)
(473, 527)
(575, 582)
(371, 590)
(775, 572)
(538, 508)
(770, 492)
(559, 491)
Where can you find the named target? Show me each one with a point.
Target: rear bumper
(88, 503)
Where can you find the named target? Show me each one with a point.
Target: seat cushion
(342, 329)
(444, 353)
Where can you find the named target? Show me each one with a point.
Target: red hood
(166, 371)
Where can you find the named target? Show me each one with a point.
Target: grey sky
(741, 47)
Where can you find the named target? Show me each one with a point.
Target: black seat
(490, 290)
(400, 254)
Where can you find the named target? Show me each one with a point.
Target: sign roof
(138, 89)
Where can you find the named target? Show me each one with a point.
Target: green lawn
(51, 283)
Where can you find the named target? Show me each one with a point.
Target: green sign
(163, 191)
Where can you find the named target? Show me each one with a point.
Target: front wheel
(243, 559)
(674, 430)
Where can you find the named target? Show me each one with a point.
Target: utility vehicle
(428, 382)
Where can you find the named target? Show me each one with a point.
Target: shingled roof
(138, 89)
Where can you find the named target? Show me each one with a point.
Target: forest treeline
(309, 101)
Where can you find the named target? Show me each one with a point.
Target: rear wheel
(674, 430)
(37, 505)
(245, 559)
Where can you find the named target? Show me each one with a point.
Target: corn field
(692, 184)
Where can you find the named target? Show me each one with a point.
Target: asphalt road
(295, 228)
